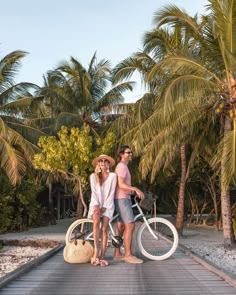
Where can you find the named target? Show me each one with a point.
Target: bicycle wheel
(81, 228)
(161, 243)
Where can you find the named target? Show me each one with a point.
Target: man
(123, 204)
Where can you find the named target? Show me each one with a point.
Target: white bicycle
(157, 237)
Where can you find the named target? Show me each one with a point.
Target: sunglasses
(128, 153)
(103, 161)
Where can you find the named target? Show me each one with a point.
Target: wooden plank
(179, 275)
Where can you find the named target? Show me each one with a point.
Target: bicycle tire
(164, 246)
(82, 228)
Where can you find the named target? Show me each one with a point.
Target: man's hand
(140, 193)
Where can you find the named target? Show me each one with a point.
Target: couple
(111, 190)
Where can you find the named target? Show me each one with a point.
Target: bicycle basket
(149, 201)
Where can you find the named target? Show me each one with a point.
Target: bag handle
(75, 237)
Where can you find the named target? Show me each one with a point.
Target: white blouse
(103, 195)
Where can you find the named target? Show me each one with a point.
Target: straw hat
(110, 159)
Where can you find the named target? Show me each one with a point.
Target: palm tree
(17, 139)
(209, 79)
(157, 45)
(76, 95)
(196, 78)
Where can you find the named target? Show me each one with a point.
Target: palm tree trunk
(229, 239)
(180, 209)
(212, 192)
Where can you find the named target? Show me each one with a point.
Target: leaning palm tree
(17, 139)
(209, 79)
(198, 81)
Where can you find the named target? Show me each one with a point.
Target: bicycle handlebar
(136, 198)
(148, 202)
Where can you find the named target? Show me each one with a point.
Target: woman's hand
(103, 209)
(97, 210)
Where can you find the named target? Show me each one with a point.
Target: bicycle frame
(136, 217)
(151, 229)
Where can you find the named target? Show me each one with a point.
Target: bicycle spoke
(81, 229)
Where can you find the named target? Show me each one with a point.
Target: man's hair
(121, 151)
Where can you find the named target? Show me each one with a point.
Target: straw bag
(78, 251)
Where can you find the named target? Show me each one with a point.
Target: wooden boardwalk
(177, 275)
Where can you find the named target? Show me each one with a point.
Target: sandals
(133, 259)
(103, 262)
(95, 261)
(119, 257)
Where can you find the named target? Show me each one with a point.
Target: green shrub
(19, 208)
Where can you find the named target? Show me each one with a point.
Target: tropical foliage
(184, 124)
(191, 71)
(75, 95)
(17, 139)
(68, 157)
(19, 207)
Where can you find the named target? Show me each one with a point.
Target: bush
(19, 208)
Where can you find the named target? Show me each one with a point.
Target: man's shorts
(124, 208)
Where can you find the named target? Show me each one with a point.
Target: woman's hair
(98, 174)
(99, 178)
(121, 151)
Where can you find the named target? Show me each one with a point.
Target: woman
(101, 208)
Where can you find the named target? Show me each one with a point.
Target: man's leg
(128, 235)
(120, 227)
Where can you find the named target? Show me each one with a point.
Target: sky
(52, 31)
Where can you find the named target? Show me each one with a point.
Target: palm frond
(17, 106)
(9, 65)
(29, 133)
(125, 70)
(173, 15)
(226, 152)
(11, 161)
(113, 96)
(158, 43)
(41, 122)
(14, 92)
(68, 119)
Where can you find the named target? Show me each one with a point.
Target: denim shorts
(124, 208)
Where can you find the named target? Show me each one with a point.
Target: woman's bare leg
(96, 225)
(104, 234)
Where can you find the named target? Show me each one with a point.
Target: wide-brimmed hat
(110, 159)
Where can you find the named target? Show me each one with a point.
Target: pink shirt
(122, 170)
